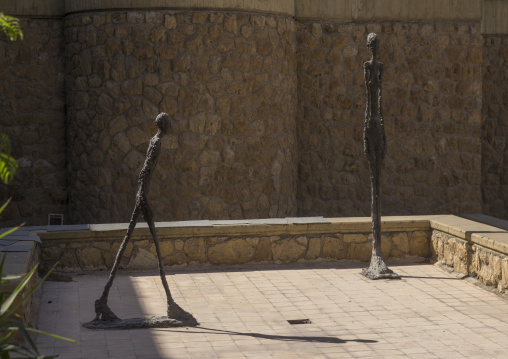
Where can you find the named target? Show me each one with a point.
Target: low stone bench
(475, 244)
(235, 242)
(470, 246)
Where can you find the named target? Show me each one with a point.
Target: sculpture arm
(367, 106)
(366, 77)
(380, 93)
(381, 120)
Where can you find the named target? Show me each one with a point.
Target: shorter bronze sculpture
(374, 141)
(176, 316)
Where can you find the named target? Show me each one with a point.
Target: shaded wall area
(229, 81)
(32, 108)
(432, 87)
(495, 127)
(268, 110)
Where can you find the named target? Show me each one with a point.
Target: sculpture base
(379, 270)
(373, 274)
(138, 323)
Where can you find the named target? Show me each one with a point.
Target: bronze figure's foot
(379, 270)
(103, 312)
(176, 312)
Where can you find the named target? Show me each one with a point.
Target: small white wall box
(55, 219)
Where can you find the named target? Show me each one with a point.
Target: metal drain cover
(299, 321)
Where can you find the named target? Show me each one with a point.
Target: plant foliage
(10, 323)
(10, 26)
(8, 165)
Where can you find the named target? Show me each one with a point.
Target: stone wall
(228, 79)
(99, 254)
(32, 108)
(495, 127)
(488, 266)
(268, 111)
(432, 89)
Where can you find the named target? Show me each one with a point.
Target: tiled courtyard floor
(243, 313)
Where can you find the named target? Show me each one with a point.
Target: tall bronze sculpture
(176, 316)
(374, 141)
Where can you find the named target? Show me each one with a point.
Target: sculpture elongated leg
(173, 309)
(177, 317)
(102, 310)
(377, 268)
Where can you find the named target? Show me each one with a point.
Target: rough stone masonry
(269, 115)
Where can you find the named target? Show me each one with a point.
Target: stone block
(166, 248)
(287, 250)
(359, 251)
(314, 250)
(142, 259)
(51, 253)
(449, 251)
(356, 238)
(103, 246)
(333, 248)
(461, 256)
(263, 250)
(179, 244)
(419, 244)
(233, 251)
(178, 258)
(401, 242)
(195, 249)
(487, 265)
(89, 258)
(128, 249)
(504, 273)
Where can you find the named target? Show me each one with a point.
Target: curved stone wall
(229, 82)
(242, 83)
(32, 114)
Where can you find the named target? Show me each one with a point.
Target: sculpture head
(373, 43)
(163, 123)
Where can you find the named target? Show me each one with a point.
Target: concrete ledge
(243, 228)
(235, 242)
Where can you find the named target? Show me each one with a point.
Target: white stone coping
(485, 235)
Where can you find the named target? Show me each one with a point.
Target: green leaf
(10, 26)
(5, 205)
(27, 336)
(8, 167)
(7, 308)
(51, 335)
(29, 293)
(6, 233)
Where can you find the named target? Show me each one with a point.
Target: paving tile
(243, 314)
